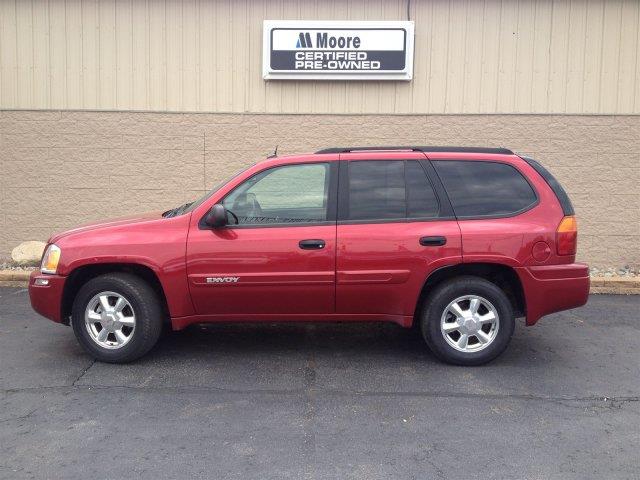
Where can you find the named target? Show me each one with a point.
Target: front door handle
(311, 244)
(433, 241)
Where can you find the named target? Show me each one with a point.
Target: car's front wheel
(117, 317)
(467, 321)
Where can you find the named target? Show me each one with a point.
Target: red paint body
(365, 272)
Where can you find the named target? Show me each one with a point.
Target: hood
(114, 222)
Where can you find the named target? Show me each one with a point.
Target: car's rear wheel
(117, 317)
(467, 321)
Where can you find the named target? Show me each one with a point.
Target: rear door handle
(433, 241)
(311, 244)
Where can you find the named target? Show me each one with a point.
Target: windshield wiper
(176, 211)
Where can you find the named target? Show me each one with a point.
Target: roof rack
(503, 151)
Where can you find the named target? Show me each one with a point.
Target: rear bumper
(549, 289)
(47, 299)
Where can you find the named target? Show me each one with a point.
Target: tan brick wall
(61, 168)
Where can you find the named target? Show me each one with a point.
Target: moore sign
(326, 50)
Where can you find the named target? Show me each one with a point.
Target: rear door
(395, 227)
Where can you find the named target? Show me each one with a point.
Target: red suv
(456, 241)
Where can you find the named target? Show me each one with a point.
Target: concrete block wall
(59, 169)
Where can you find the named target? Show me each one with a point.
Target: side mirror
(217, 216)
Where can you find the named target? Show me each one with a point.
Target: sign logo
(318, 50)
(223, 279)
(304, 41)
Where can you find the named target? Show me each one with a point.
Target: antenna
(275, 153)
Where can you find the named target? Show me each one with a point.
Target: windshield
(190, 206)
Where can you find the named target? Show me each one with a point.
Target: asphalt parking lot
(323, 401)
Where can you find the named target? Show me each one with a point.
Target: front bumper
(47, 299)
(553, 288)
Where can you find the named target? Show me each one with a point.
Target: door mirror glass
(217, 216)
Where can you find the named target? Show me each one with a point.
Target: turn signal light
(567, 236)
(50, 259)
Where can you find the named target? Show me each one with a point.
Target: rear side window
(376, 190)
(421, 198)
(484, 189)
(393, 189)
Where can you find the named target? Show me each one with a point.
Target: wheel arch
(80, 275)
(503, 276)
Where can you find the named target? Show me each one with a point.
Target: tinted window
(562, 196)
(390, 190)
(484, 188)
(376, 190)
(421, 199)
(287, 194)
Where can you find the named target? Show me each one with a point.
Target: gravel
(16, 267)
(625, 271)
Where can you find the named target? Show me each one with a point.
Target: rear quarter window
(560, 193)
(485, 189)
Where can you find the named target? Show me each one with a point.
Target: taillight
(567, 236)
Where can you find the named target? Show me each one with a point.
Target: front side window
(480, 189)
(389, 189)
(286, 194)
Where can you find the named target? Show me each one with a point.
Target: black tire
(148, 314)
(438, 300)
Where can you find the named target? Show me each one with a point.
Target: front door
(280, 257)
(393, 231)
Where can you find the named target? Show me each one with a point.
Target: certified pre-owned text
(317, 60)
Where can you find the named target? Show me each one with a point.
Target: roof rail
(503, 151)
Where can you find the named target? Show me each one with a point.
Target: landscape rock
(28, 253)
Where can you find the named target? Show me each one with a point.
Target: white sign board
(340, 50)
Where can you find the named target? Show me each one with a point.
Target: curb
(608, 285)
(615, 285)
(14, 278)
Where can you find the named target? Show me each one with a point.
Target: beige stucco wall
(61, 168)
(570, 69)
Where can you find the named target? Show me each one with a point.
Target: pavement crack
(311, 392)
(73, 384)
(21, 417)
(602, 403)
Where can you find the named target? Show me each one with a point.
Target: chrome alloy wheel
(110, 320)
(470, 323)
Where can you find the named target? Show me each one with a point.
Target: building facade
(114, 107)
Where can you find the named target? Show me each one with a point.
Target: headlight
(50, 259)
